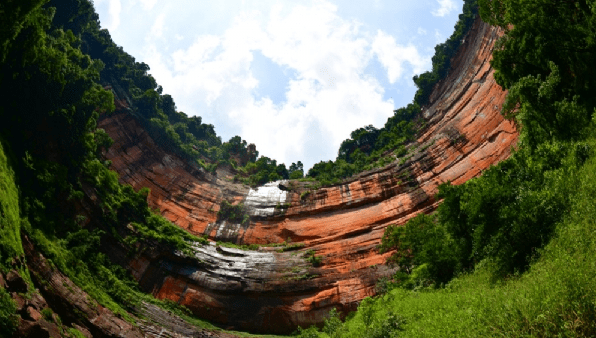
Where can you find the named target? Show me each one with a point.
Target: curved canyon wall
(334, 261)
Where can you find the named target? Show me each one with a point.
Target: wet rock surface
(271, 291)
(263, 201)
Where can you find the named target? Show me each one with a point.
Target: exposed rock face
(263, 200)
(186, 194)
(274, 291)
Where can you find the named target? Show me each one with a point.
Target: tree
(546, 59)
(422, 242)
(296, 170)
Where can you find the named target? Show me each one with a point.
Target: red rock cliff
(272, 291)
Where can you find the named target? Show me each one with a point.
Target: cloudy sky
(293, 77)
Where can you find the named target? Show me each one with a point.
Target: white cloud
(148, 4)
(422, 31)
(208, 66)
(393, 56)
(158, 27)
(445, 7)
(328, 97)
(114, 9)
(438, 36)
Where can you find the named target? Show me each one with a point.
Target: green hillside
(510, 253)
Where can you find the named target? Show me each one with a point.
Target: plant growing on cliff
(304, 195)
(232, 213)
(313, 259)
(8, 314)
(421, 242)
(311, 332)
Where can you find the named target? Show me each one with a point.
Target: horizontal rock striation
(335, 231)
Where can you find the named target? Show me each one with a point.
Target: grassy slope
(10, 239)
(556, 297)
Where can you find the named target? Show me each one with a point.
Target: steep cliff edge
(337, 262)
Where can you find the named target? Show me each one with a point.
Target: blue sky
(293, 77)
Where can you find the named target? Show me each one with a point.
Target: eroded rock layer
(334, 261)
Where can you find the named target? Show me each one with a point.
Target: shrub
(333, 325)
(233, 213)
(8, 316)
(312, 258)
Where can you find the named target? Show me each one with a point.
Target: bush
(8, 314)
(333, 325)
(312, 258)
(233, 213)
(311, 332)
(424, 251)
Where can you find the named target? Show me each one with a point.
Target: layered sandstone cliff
(274, 290)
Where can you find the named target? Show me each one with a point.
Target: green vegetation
(291, 247)
(313, 259)
(10, 239)
(369, 147)
(56, 65)
(9, 214)
(510, 253)
(264, 170)
(8, 314)
(239, 246)
(75, 333)
(134, 88)
(444, 52)
(55, 186)
(553, 297)
(304, 195)
(283, 246)
(232, 213)
(47, 314)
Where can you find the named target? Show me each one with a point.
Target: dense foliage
(545, 61)
(444, 52)
(369, 147)
(55, 186)
(510, 253)
(232, 213)
(505, 216)
(10, 238)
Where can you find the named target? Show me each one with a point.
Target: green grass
(556, 297)
(284, 246)
(10, 238)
